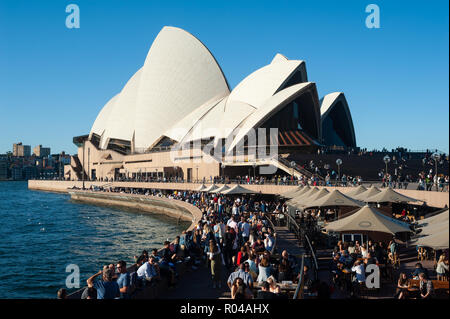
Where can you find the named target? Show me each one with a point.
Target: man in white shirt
(358, 268)
(233, 224)
(148, 271)
(245, 229)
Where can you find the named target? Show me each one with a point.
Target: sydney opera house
(177, 116)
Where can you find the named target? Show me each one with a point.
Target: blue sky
(55, 80)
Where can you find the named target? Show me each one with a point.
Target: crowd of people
(234, 238)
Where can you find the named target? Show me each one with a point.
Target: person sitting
(269, 242)
(265, 293)
(166, 264)
(402, 286)
(370, 260)
(89, 293)
(240, 273)
(418, 270)
(239, 290)
(62, 293)
(426, 287)
(106, 288)
(148, 272)
(279, 294)
(264, 270)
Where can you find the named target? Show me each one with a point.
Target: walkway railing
(299, 293)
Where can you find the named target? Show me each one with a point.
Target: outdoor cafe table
(286, 287)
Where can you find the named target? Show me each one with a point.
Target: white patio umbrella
(237, 189)
(389, 195)
(368, 219)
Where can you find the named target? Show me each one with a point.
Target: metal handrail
(301, 281)
(316, 264)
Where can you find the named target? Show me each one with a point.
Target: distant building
(21, 150)
(3, 168)
(40, 151)
(17, 173)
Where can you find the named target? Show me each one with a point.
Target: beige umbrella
(302, 191)
(238, 189)
(292, 193)
(439, 218)
(436, 241)
(334, 199)
(220, 189)
(368, 219)
(210, 188)
(389, 195)
(434, 228)
(356, 191)
(371, 191)
(301, 198)
(323, 192)
(201, 188)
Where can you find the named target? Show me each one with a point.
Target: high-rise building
(21, 150)
(40, 151)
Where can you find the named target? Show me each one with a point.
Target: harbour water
(42, 233)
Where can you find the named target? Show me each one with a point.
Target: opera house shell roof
(180, 95)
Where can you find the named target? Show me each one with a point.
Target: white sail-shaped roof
(272, 105)
(337, 100)
(101, 121)
(179, 75)
(259, 86)
(120, 124)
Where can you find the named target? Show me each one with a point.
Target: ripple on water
(43, 232)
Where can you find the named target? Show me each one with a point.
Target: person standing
(215, 256)
(123, 280)
(106, 287)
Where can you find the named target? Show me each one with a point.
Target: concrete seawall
(434, 199)
(152, 204)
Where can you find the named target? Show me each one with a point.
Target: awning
(291, 193)
(356, 191)
(201, 188)
(220, 189)
(210, 188)
(371, 191)
(313, 198)
(300, 199)
(238, 189)
(436, 241)
(368, 219)
(333, 199)
(439, 218)
(391, 196)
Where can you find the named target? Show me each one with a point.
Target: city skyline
(395, 78)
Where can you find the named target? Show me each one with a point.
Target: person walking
(215, 256)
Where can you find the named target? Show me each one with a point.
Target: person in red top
(242, 256)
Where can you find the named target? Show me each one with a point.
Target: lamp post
(254, 171)
(197, 174)
(292, 166)
(436, 156)
(339, 163)
(386, 160)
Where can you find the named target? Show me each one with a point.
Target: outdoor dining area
(364, 224)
